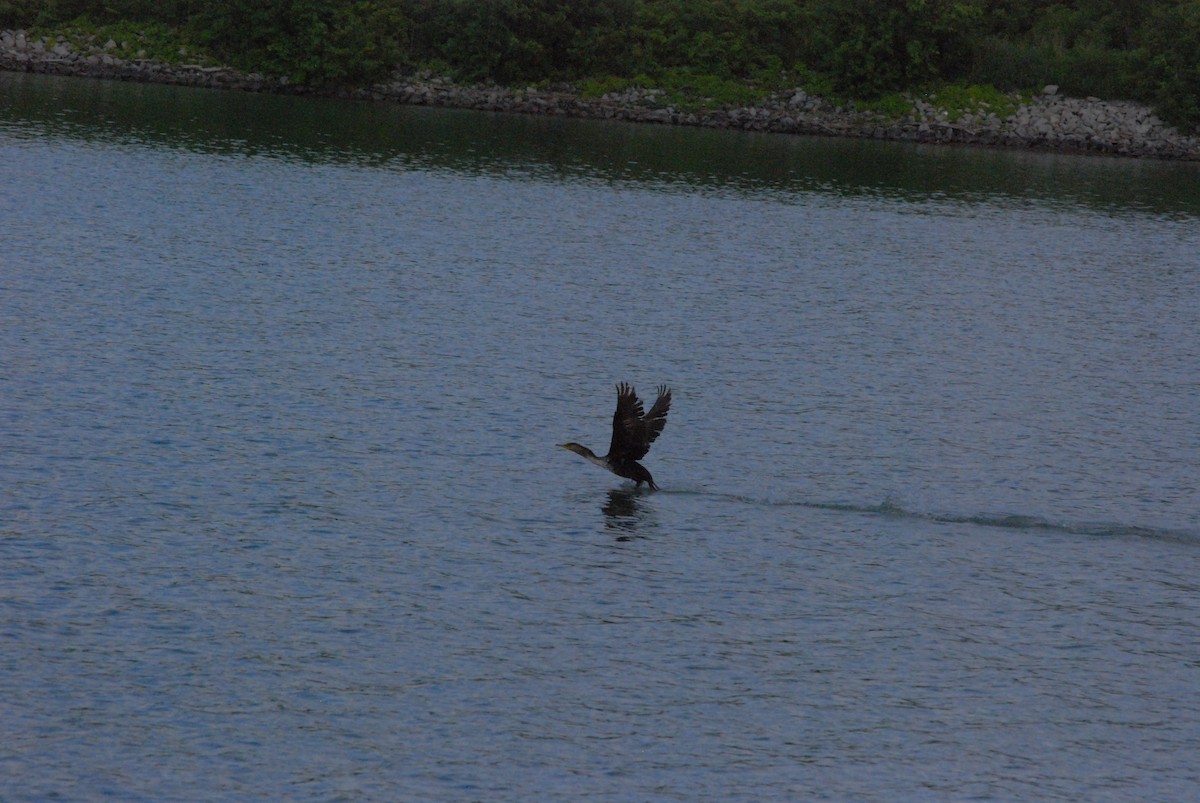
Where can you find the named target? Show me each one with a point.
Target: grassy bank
(696, 52)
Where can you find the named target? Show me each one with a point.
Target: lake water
(282, 514)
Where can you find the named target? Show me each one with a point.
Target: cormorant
(633, 432)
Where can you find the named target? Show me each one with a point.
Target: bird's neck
(590, 456)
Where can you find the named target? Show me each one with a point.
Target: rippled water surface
(282, 515)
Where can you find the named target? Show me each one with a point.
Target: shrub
(1171, 56)
(310, 41)
(880, 45)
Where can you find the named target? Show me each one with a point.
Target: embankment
(1048, 121)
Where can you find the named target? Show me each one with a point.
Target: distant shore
(1048, 121)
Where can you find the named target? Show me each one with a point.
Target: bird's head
(580, 450)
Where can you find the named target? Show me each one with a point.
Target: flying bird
(633, 432)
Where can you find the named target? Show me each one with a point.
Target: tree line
(1146, 50)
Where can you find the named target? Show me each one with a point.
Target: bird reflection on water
(625, 511)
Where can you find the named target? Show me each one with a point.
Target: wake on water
(1012, 521)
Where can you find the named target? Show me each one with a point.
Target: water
(282, 516)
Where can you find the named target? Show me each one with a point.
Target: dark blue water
(282, 515)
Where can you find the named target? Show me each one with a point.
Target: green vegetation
(132, 40)
(309, 41)
(698, 52)
(691, 91)
(957, 100)
(893, 105)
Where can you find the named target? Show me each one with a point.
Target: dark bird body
(633, 432)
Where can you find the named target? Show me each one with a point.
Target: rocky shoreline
(1046, 122)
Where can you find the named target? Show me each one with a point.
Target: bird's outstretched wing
(656, 419)
(634, 430)
(625, 421)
